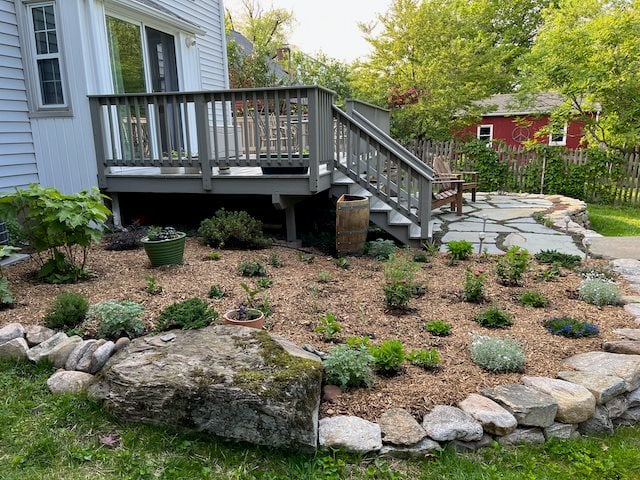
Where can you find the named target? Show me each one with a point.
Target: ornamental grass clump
(117, 318)
(512, 266)
(497, 354)
(571, 327)
(473, 289)
(599, 292)
(494, 317)
(349, 367)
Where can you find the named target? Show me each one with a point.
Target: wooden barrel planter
(352, 224)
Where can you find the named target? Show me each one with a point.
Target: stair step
(415, 231)
(396, 218)
(340, 178)
(377, 205)
(358, 190)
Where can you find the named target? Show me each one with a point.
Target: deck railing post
(314, 138)
(98, 139)
(204, 139)
(426, 193)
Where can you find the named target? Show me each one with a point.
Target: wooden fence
(523, 163)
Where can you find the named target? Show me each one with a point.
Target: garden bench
(443, 172)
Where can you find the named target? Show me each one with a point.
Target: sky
(330, 26)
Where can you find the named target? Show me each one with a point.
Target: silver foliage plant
(497, 354)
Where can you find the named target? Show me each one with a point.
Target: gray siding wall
(17, 158)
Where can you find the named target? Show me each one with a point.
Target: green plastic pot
(165, 252)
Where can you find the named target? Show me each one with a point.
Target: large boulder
(11, 331)
(627, 367)
(602, 387)
(530, 406)
(237, 383)
(576, 404)
(445, 423)
(493, 418)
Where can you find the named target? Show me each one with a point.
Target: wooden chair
(450, 192)
(469, 179)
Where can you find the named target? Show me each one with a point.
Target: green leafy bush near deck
(233, 230)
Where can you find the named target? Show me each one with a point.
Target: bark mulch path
(355, 296)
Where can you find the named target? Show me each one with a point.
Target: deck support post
(204, 139)
(115, 210)
(288, 204)
(426, 191)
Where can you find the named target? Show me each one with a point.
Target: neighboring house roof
(247, 47)
(505, 104)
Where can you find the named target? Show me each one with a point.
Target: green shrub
(67, 310)
(153, 287)
(358, 342)
(397, 295)
(188, 314)
(459, 249)
(349, 367)
(328, 327)
(493, 173)
(388, 356)
(534, 299)
(213, 255)
(421, 257)
(324, 277)
(380, 249)
(427, 359)
(497, 355)
(562, 259)
(252, 268)
(439, 328)
(264, 282)
(570, 327)
(274, 260)
(599, 292)
(494, 317)
(117, 318)
(400, 285)
(6, 295)
(473, 289)
(216, 292)
(232, 230)
(512, 265)
(343, 263)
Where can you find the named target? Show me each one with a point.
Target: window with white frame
(558, 136)
(485, 133)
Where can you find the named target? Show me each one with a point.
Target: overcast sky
(330, 26)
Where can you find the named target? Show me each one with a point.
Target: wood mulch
(355, 297)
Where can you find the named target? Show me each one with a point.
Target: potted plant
(246, 317)
(164, 246)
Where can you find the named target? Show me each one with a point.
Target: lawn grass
(59, 437)
(621, 221)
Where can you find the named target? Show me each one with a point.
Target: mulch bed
(355, 297)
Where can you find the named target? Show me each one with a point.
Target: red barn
(509, 122)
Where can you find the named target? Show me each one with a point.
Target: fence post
(425, 186)
(544, 168)
(98, 140)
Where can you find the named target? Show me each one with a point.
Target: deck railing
(269, 128)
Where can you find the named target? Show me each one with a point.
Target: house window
(558, 136)
(46, 56)
(485, 133)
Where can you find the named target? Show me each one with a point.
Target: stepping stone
(627, 367)
(633, 309)
(522, 436)
(628, 333)
(626, 266)
(445, 423)
(502, 214)
(575, 403)
(493, 418)
(536, 242)
(15, 349)
(423, 449)
(36, 334)
(69, 382)
(469, 237)
(598, 424)
(534, 228)
(530, 406)
(40, 351)
(400, 428)
(11, 331)
(602, 387)
(630, 347)
(477, 227)
(527, 221)
(627, 299)
(561, 430)
(352, 434)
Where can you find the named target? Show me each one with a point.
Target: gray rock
(122, 342)
(561, 430)
(352, 434)
(530, 406)
(40, 351)
(11, 331)
(602, 387)
(576, 404)
(69, 382)
(400, 428)
(631, 347)
(522, 436)
(468, 447)
(100, 357)
(626, 266)
(627, 367)
(422, 449)
(238, 383)
(84, 362)
(628, 333)
(616, 406)
(633, 309)
(598, 424)
(15, 349)
(59, 354)
(36, 334)
(493, 418)
(633, 399)
(77, 354)
(445, 423)
(628, 418)
(626, 299)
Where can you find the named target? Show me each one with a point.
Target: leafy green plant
(60, 228)
(534, 299)
(439, 328)
(571, 327)
(549, 274)
(68, 309)
(188, 314)
(157, 234)
(274, 260)
(496, 354)
(252, 268)
(427, 359)
(264, 282)
(358, 342)
(459, 249)
(473, 288)
(213, 255)
(494, 317)
(421, 257)
(117, 318)
(511, 267)
(343, 263)
(493, 173)
(324, 277)
(557, 258)
(328, 327)
(253, 300)
(599, 292)
(306, 257)
(380, 249)
(431, 248)
(215, 292)
(233, 230)
(6, 295)
(152, 288)
(349, 367)
(400, 285)
(388, 356)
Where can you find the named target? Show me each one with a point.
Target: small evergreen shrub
(473, 289)
(427, 359)
(380, 249)
(439, 328)
(534, 299)
(188, 314)
(459, 249)
(388, 356)
(328, 327)
(511, 267)
(349, 367)
(67, 310)
(497, 355)
(494, 317)
(599, 292)
(570, 327)
(233, 230)
(252, 268)
(557, 258)
(216, 292)
(117, 318)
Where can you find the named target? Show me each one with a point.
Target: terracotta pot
(255, 320)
